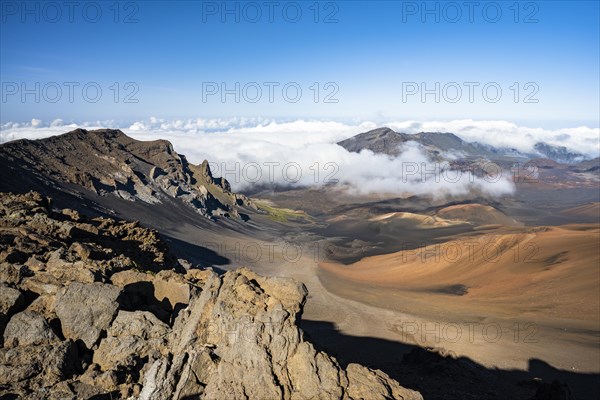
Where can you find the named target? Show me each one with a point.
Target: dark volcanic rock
(108, 162)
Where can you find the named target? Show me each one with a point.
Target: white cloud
(582, 139)
(240, 148)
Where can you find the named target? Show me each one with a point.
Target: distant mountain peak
(438, 144)
(558, 153)
(387, 141)
(438, 134)
(380, 140)
(381, 132)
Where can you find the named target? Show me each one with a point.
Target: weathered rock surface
(28, 328)
(97, 307)
(10, 301)
(239, 339)
(27, 368)
(12, 273)
(132, 337)
(172, 287)
(85, 310)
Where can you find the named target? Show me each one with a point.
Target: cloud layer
(251, 151)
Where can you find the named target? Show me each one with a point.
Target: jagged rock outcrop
(85, 316)
(66, 246)
(108, 162)
(239, 339)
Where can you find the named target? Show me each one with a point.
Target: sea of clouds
(266, 152)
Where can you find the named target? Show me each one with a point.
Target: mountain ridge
(108, 162)
(385, 140)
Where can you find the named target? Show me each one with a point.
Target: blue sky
(364, 58)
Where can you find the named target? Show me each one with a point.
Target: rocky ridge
(99, 308)
(107, 162)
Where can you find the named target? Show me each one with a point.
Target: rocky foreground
(98, 308)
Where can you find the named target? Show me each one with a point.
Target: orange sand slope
(477, 214)
(419, 220)
(591, 210)
(554, 271)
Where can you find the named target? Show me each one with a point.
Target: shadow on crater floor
(444, 377)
